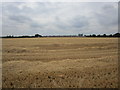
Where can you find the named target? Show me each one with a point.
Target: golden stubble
(66, 62)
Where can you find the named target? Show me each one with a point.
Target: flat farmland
(60, 62)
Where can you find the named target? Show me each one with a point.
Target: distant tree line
(61, 36)
(104, 35)
(11, 36)
(79, 35)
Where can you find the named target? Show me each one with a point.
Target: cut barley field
(64, 62)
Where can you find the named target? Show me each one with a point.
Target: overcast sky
(53, 18)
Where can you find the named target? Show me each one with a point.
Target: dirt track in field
(60, 63)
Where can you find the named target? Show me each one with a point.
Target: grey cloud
(11, 8)
(20, 19)
(59, 18)
(119, 15)
(106, 20)
(60, 24)
(79, 22)
(108, 8)
(37, 25)
(108, 16)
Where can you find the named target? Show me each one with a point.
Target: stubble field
(65, 62)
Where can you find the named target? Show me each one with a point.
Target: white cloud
(60, 1)
(49, 18)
